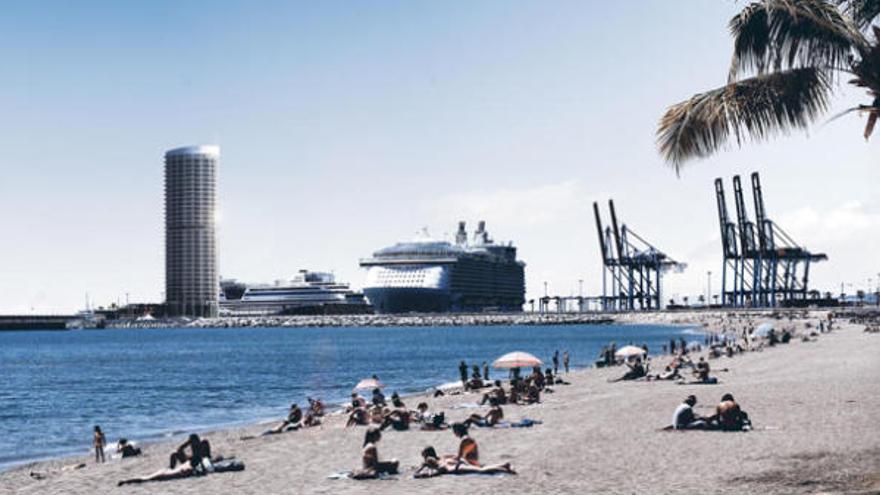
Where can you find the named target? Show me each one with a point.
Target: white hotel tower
(191, 280)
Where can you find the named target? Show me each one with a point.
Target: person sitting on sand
(533, 395)
(420, 415)
(497, 393)
(372, 466)
(125, 449)
(357, 401)
(684, 418)
(437, 422)
(378, 398)
(538, 378)
(396, 402)
(636, 370)
(468, 456)
(399, 418)
(316, 407)
(702, 372)
(358, 416)
(492, 417)
(729, 416)
(294, 421)
(199, 450)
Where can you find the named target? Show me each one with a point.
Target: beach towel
(523, 423)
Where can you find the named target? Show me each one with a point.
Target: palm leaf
(760, 107)
(862, 12)
(785, 34)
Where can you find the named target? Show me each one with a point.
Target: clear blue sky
(345, 126)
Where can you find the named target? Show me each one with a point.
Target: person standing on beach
(565, 361)
(556, 362)
(100, 441)
(485, 371)
(462, 370)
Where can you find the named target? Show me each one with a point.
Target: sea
(147, 385)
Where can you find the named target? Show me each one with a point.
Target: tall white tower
(191, 280)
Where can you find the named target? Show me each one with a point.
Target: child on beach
(99, 441)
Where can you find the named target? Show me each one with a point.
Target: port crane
(632, 265)
(762, 265)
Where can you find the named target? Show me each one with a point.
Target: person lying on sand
(467, 461)
(293, 421)
(684, 418)
(126, 449)
(729, 416)
(372, 466)
(188, 469)
(636, 370)
(491, 418)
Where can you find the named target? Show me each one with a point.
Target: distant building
(191, 280)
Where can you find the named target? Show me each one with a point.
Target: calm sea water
(149, 384)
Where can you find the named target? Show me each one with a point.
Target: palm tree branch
(785, 34)
(862, 12)
(759, 107)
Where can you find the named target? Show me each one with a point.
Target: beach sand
(813, 405)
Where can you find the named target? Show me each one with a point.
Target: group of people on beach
(728, 416)
(465, 461)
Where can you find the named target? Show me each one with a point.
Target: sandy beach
(811, 403)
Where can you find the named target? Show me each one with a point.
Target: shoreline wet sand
(811, 404)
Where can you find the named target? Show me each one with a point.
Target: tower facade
(191, 280)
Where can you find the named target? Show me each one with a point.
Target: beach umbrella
(629, 351)
(517, 360)
(763, 330)
(369, 384)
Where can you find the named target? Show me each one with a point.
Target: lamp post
(709, 287)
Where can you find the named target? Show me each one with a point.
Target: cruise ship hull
(408, 300)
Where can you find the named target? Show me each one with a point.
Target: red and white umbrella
(629, 351)
(517, 360)
(369, 384)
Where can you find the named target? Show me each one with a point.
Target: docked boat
(429, 276)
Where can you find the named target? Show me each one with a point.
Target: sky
(347, 126)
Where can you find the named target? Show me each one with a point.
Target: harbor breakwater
(302, 321)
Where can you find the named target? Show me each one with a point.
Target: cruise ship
(307, 293)
(430, 276)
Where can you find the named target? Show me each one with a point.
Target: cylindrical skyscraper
(191, 281)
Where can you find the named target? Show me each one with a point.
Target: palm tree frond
(760, 107)
(862, 12)
(786, 34)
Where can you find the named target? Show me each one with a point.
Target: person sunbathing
(669, 373)
(636, 370)
(372, 466)
(126, 449)
(420, 415)
(358, 417)
(357, 401)
(293, 421)
(533, 395)
(497, 393)
(465, 462)
(198, 449)
(436, 423)
(188, 469)
(316, 407)
(684, 418)
(729, 416)
(491, 418)
(399, 419)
